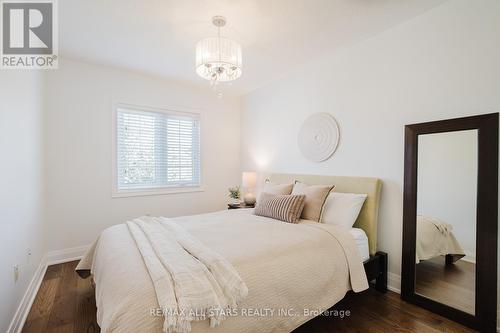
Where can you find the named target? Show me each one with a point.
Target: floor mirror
(450, 219)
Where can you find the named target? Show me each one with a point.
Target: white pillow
(342, 208)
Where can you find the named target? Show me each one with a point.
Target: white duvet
(292, 271)
(435, 238)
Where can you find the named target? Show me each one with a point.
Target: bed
(293, 271)
(435, 238)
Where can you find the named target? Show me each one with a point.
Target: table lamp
(249, 181)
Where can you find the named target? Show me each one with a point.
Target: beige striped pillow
(281, 207)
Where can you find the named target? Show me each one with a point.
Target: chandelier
(218, 59)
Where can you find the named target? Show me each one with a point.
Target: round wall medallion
(319, 137)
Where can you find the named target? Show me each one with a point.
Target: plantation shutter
(157, 149)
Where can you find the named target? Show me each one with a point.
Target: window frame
(121, 193)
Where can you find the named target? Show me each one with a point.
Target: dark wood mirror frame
(486, 219)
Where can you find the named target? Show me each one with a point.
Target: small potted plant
(234, 195)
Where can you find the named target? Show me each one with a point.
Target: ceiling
(158, 36)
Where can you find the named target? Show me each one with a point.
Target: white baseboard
(50, 258)
(66, 255)
(469, 257)
(17, 323)
(394, 282)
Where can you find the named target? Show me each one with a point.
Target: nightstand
(238, 206)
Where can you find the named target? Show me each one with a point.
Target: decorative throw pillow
(281, 207)
(342, 208)
(283, 189)
(315, 199)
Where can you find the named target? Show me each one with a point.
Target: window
(156, 150)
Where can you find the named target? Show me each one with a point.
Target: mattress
(361, 242)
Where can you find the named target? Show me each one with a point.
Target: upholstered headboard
(368, 217)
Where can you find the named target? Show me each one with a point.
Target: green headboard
(368, 217)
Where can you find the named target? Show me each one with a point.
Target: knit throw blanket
(191, 281)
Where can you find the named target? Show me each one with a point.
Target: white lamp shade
(249, 179)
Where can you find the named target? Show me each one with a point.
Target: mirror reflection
(446, 218)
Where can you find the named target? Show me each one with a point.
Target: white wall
(20, 186)
(447, 182)
(441, 64)
(78, 114)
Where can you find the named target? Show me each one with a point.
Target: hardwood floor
(65, 303)
(449, 284)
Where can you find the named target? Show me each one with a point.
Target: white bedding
(361, 242)
(191, 281)
(435, 238)
(288, 268)
(359, 236)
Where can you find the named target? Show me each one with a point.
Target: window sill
(160, 191)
